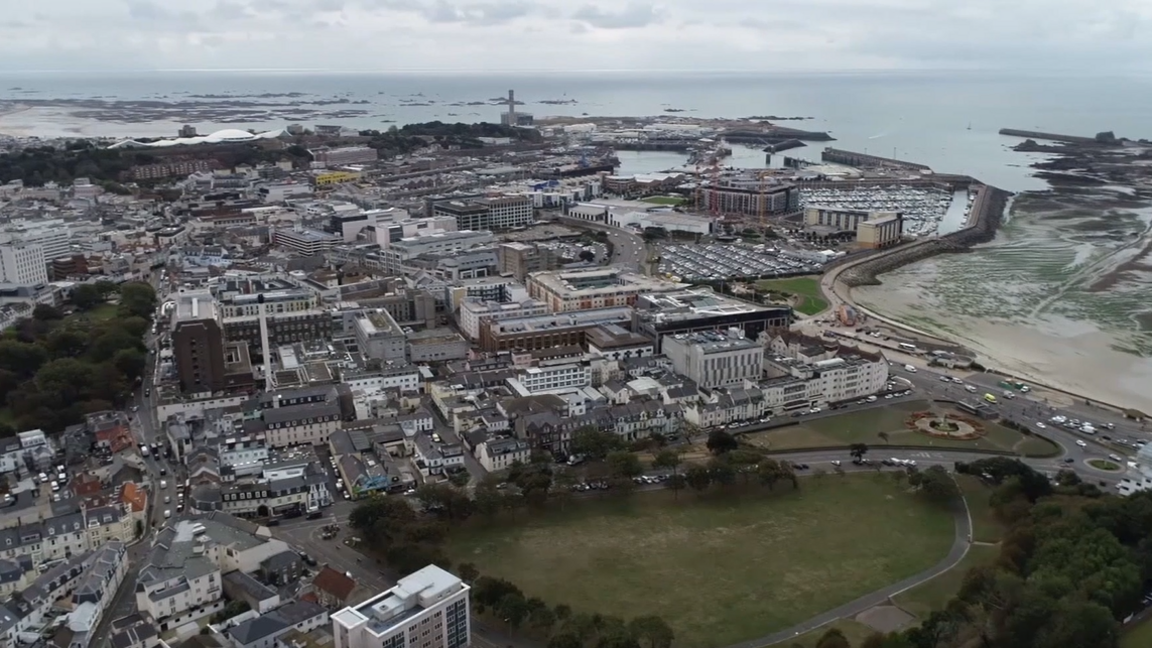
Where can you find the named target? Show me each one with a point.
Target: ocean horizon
(949, 121)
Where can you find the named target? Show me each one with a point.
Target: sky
(493, 36)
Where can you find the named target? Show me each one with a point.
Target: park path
(960, 545)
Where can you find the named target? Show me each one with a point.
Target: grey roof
(254, 630)
(139, 633)
(289, 413)
(8, 619)
(12, 570)
(253, 588)
(280, 561)
(173, 552)
(299, 611)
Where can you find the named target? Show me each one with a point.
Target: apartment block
(487, 213)
(714, 359)
(23, 264)
(426, 609)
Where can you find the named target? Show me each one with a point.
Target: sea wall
(1052, 137)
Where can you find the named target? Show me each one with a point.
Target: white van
(909, 368)
(55, 486)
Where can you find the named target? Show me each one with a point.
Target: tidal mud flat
(1063, 294)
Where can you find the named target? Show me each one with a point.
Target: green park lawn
(806, 288)
(865, 427)
(671, 201)
(935, 594)
(721, 567)
(1138, 636)
(985, 526)
(854, 631)
(100, 313)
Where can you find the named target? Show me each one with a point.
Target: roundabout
(946, 426)
(1105, 465)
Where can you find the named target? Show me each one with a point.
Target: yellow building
(335, 178)
(880, 231)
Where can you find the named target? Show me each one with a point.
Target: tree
(721, 472)
(595, 444)
(562, 611)
(542, 618)
(512, 608)
(668, 459)
(883, 436)
(467, 572)
(858, 450)
(46, 313)
(66, 343)
(833, 638)
(769, 473)
(587, 256)
(936, 484)
(565, 640)
(651, 632)
(86, 297)
(108, 344)
(699, 478)
(744, 462)
(625, 464)
(22, 358)
(137, 299)
(677, 483)
(720, 442)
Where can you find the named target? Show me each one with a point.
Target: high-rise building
(198, 342)
(22, 264)
(426, 609)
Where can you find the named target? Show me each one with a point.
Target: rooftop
(412, 595)
(194, 305)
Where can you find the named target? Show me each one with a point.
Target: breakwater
(987, 212)
(1052, 137)
(853, 158)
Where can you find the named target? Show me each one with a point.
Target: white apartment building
(593, 288)
(23, 264)
(713, 359)
(405, 378)
(500, 454)
(537, 380)
(426, 609)
(181, 580)
(399, 253)
(474, 312)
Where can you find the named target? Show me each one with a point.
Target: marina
(924, 208)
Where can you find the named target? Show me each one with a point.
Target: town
(229, 356)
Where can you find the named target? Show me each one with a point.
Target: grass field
(807, 289)
(935, 594)
(1139, 636)
(985, 526)
(100, 313)
(723, 567)
(854, 631)
(865, 426)
(664, 200)
(1103, 464)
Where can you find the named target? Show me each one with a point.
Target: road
(628, 248)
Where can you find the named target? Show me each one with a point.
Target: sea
(947, 120)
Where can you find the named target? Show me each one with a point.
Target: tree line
(1074, 563)
(55, 369)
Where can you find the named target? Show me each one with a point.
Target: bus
(904, 346)
(990, 398)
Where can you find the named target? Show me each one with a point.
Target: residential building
(748, 194)
(426, 609)
(521, 259)
(332, 588)
(198, 342)
(713, 359)
(487, 213)
(500, 454)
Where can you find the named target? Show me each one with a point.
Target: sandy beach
(1072, 356)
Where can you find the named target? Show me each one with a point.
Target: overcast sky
(513, 35)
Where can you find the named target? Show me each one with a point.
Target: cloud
(496, 35)
(633, 16)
